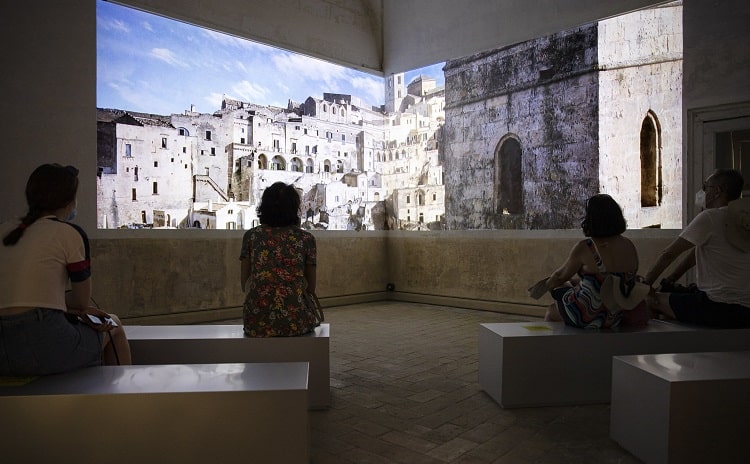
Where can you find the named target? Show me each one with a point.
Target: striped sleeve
(80, 270)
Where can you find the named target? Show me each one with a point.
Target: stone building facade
(348, 160)
(534, 129)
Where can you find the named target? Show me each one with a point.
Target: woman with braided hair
(45, 326)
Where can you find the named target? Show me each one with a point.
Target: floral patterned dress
(274, 303)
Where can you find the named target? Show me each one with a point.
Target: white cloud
(232, 41)
(135, 95)
(373, 90)
(146, 25)
(249, 92)
(241, 66)
(168, 57)
(312, 69)
(110, 24)
(214, 100)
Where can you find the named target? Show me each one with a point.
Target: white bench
(682, 408)
(550, 364)
(196, 344)
(228, 413)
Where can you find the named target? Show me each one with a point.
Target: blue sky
(151, 64)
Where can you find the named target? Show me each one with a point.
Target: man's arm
(667, 257)
(686, 263)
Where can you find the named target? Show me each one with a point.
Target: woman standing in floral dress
(277, 267)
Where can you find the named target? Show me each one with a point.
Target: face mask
(700, 199)
(72, 215)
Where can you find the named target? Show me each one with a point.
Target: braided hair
(49, 188)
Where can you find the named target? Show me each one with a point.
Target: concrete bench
(550, 364)
(683, 407)
(195, 413)
(196, 344)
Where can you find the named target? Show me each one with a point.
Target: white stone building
(346, 158)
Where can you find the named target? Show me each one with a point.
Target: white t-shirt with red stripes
(36, 271)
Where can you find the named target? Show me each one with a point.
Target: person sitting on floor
(717, 243)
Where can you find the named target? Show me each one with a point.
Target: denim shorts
(45, 341)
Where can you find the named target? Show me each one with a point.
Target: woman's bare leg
(115, 346)
(659, 303)
(552, 314)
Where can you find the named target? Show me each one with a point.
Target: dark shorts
(44, 341)
(697, 308)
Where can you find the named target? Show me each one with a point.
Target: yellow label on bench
(15, 381)
(536, 327)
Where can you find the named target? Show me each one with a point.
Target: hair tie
(23, 225)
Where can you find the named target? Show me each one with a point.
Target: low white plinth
(549, 364)
(178, 413)
(683, 407)
(194, 344)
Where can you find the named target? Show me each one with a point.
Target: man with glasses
(718, 248)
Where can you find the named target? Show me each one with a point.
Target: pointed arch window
(508, 176)
(651, 176)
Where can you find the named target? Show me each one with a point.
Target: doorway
(719, 139)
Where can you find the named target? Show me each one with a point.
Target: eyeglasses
(707, 185)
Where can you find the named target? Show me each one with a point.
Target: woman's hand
(101, 320)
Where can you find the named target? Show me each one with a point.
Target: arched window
(262, 162)
(296, 165)
(278, 164)
(651, 181)
(508, 176)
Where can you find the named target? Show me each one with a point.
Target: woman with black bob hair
(277, 268)
(45, 326)
(575, 286)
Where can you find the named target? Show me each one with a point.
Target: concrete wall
(174, 276)
(48, 113)
(716, 67)
(177, 276)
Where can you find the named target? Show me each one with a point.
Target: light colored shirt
(723, 271)
(36, 270)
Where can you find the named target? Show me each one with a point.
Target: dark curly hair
(279, 206)
(603, 217)
(49, 188)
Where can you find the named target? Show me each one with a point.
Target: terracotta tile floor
(404, 390)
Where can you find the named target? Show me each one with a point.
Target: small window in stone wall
(651, 180)
(508, 177)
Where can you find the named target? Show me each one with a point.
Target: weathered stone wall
(191, 276)
(169, 168)
(640, 57)
(177, 276)
(575, 101)
(544, 92)
(491, 269)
